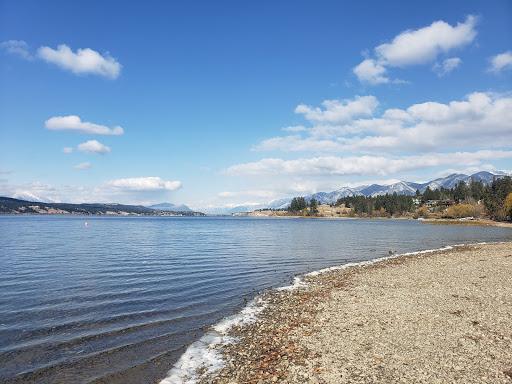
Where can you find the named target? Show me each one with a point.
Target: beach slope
(440, 317)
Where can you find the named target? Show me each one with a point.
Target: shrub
(463, 210)
(508, 206)
(421, 212)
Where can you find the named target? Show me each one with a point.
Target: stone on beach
(442, 317)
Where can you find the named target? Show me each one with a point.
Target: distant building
(439, 204)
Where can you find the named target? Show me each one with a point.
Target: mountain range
(16, 206)
(401, 188)
(170, 207)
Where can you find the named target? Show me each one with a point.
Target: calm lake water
(119, 300)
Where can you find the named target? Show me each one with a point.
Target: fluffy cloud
(295, 128)
(106, 192)
(501, 62)
(362, 165)
(447, 66)
(67, 150)
(74, 123)
(295, 143)
(16, 47)
(93, 146)
(150, 183)
(35, 191)
(413, 47)
(425, 44)
(83, 61)
(370, 71)
(479, 120)
(338, 111)
(82, 166)
(265, 194)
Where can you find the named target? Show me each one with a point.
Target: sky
(217, 104)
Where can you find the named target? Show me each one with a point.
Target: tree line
(300, 205)
(474, 191)
(394, 204)
(495, 197)
(498, 199)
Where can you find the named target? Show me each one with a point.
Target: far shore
(478, 221)
(441, 221)
(440, 317)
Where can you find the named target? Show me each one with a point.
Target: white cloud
(414, 47)
(447, 66)
(227, 194)
(17, 47)
(481, 120)
(501, 62)
(265, 194)
(106, 193)
(370, 71)
(296, 143)
(67, 150)
(74, 123)
(150, 183)
(294, 128)
(82, 166)
(336, 111)
(35, 191)
(362, 165)
(93, 146)
(425, 44)
(82, 61)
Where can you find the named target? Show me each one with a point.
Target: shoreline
(484, 222)
(249, 347)
(477, 222)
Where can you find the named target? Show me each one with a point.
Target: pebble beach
(434, 317)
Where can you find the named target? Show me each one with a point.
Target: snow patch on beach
(204, 354)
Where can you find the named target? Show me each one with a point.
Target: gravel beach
(440, 317)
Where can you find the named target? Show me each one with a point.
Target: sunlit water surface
(118, 300)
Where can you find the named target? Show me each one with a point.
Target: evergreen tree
(297, 204)
(313, 206)
(461, 192)
(476, 190)
(494, 197)
(430, 194)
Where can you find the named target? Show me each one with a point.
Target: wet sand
(441, 317)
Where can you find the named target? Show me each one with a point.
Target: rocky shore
(439, 317)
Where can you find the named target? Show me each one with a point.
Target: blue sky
(203, 90)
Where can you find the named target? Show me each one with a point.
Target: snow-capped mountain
(447, 182)
(171, 207)
(486, 177)
(401, 188)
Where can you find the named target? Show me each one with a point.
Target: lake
(119, 299)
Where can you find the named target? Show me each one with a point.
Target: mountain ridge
(170, 207)
(10, 205)
(400, 187)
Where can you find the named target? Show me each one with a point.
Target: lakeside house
(439, 204)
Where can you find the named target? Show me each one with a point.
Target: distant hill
(15, 206)
(170, 207)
